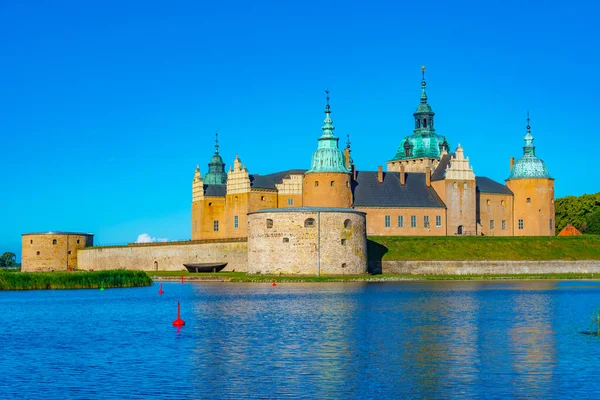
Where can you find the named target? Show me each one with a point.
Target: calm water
(383, 340)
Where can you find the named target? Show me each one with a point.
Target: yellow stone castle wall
(496, 207)
(52, 251)
(534, 204)
(376, 221)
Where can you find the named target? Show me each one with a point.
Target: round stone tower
(533, 190)
(327, 182)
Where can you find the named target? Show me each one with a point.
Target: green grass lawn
(387, 248)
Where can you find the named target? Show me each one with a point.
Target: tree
(8, 260)
(576, 210)
(593, 223)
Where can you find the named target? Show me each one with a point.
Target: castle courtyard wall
(165, 256)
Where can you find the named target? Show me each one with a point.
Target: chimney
(380, 174)
(402, 175)
(512, 162)
(353, 172)
(428, 176)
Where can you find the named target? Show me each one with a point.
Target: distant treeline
(13, 280)
(582, 211)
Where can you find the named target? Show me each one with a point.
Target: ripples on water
(378, 340)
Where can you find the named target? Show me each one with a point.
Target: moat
(328, 340)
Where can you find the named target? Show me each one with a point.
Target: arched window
(262, 198)
(347, 183)
(488, 202)
(269, 223)
(53, 241)
(455, 185)
(502, 203)
(347, 223)
(344, 265)
(309, 223)
(418, 123)
(529, 199)
(332, 184)
(424, 123)
(235, 199)
(465, 186)
(286, 240)
(316, 183)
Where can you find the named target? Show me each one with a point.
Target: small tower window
(488, 202)
(529, 200)
(77, 241)
(210, 204)
(262, 198)
(465, 186)
(309, 223)
(347, 184)
(37, 253)
(502, 203)
(69, 252)
(31, 242)
(343, 242)
(316, 183)
(216, 226)
(332, 184)
(235, 199)
(347, 223)
(269, 223)
(344, 265)
(53, 241)
(424, 123)
(286, 240)
(418, 123)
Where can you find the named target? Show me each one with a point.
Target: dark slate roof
(486, 185)
(215, 190)
(307, 209)
(370, 193)
(269, 181)
(440, 172)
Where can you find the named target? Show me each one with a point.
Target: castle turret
(533, 190)
(327, 182)
(424, 147)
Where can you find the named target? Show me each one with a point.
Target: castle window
(343, 242)
(69, 251)
(521, 225)
(488, 202)
(235, 199)
(438, 221)
(38, 253)
(286, 240)
(262, 198)
(31, 242)
(347, 183)
(424, 123)
(343, 265)
(387, 221)
(465, 186)
(210, 204)
(503, 224)
(347, 223)
(216, 226)
(332, 184)
(413, 221)
(53, 241)
(551, 224)
(77, 241)
(426, 221)
(455, 185)
(418, 123)
(502, 203)
(309, 223)
(269, 223)
(529, 200)
(400, 221)
(235, 221)
(290, 202)
(491, 224)
(316, 183)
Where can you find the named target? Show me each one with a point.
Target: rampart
(486, 267)
(165, 256)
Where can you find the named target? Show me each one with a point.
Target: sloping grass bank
(391, 248)
(73, 280)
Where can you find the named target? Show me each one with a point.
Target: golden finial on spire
(423, 71)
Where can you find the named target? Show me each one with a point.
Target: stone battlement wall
(165, 256)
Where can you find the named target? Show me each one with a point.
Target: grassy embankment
(390, 248)
(72, 280)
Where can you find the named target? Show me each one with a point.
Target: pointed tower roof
(216, 168)
(328, 157)
(529, 166)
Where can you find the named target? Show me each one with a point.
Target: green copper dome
(216, 168)
(424, 142)
(529, 166)
(328, 157)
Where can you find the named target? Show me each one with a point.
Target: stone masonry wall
(285, 245)
(164, 256)
(485, 267)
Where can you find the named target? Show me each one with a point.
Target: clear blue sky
(106, 107)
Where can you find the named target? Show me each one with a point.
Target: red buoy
(274, 284)
(178, 321)
(160, 290)
(182, 279)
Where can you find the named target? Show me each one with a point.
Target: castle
(428, 190)
(316, 221)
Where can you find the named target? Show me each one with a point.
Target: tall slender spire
(423, 86)
(216, 142)
(328, 127)
(529, 148)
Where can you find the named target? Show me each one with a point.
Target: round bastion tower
(327, 182)
(533, 190)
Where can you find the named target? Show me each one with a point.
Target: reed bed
(72, 280)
